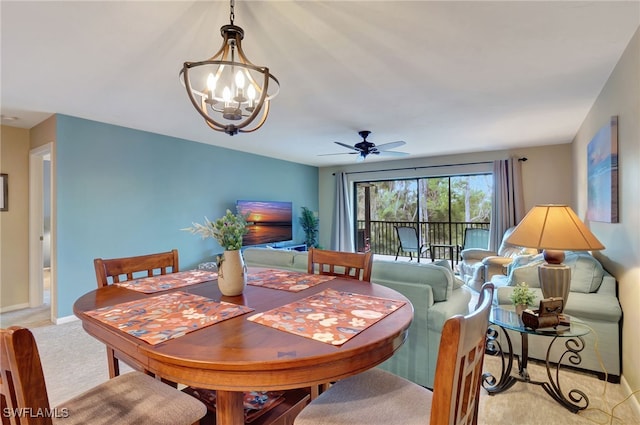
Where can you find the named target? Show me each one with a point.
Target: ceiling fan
(365, 148)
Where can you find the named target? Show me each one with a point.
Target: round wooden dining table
(238, 355)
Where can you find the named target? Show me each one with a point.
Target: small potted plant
(228, 230)
(522, 297)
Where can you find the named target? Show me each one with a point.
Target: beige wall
(620, 96)
(547, 176)
(43, 133)
(14, 224)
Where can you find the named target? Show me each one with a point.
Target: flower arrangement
(228, 230)
(522, 295)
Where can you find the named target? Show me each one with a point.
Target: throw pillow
(586, 272)
(527, 273)
(457, 282)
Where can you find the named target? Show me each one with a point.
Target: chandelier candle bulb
(211, 85)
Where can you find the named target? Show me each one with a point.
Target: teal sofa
(434, 291)
(592, 300)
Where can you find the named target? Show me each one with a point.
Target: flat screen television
(268, 221)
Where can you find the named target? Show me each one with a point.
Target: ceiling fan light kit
(366, 148)
(228, 91)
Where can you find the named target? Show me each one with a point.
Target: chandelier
(230, 92)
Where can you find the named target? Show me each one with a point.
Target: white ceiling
(446, 77)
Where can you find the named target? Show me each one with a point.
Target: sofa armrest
(497, 261)
(476, 254)
(458, 303)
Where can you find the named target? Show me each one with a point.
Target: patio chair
(409, 242)
(132, 398)
(473, 238)
(379, 397)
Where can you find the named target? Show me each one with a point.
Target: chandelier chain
(232, 14)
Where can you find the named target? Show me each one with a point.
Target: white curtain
(342, 236)
(508, 200)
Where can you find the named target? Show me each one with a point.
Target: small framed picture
(4, 192)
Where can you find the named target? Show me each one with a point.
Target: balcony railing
(383, 239)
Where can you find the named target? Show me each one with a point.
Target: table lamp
(554, 229)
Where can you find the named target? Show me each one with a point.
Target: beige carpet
(73, 361)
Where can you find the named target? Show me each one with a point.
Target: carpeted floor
(73, 362)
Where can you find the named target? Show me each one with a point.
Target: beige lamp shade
(554, 227)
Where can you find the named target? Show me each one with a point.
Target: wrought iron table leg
(574, 401)
(505, 381)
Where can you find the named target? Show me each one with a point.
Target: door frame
(37, 156)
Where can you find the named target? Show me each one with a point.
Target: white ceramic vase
(232, 277)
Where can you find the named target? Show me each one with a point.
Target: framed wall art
(602, 174)
(4, 192)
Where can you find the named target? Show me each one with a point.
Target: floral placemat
(286, 280)
(163, 282)
(329, 316)
(167, 316)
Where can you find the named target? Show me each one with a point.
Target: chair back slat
(22, 383)
(116, 269)
(350, 265)
(476, 238)
(458, 377)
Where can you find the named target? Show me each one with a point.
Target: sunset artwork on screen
(268, 221)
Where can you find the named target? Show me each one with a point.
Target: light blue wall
(123, 192)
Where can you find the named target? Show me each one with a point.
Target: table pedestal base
(574, 400)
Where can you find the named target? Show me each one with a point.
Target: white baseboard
(633, 401)
(13, 307)
(66, 319)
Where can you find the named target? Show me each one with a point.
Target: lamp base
(555, 281)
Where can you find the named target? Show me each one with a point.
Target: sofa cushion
(437, 277)
(268, 257)
(300, 260)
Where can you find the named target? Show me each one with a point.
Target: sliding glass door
(439, 207)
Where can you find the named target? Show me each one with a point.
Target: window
(439, 207)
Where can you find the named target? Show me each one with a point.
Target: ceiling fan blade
(392, 153)
(390, 145)
(346, 146)
(338, 153)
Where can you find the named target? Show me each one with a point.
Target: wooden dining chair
(117, 270)
(350, 265)
(123, 269)
(133, 398)
(379, 397)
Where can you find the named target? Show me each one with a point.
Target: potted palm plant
(228, 231)
(522, 297)
(309, 222)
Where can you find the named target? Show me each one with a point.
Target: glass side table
(502, 320)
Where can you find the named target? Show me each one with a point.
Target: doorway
(42, 288)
